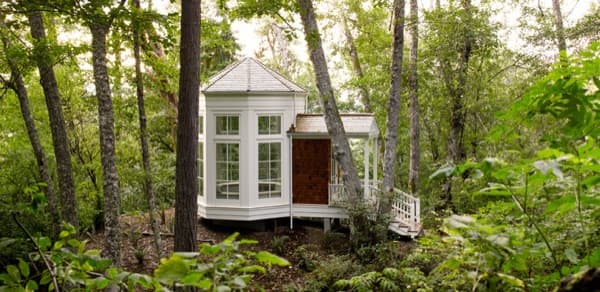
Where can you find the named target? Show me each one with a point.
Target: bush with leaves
(66, 264)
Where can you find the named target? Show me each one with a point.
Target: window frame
(228, 132)
(271, 194)
(228, 163)
(269, 132)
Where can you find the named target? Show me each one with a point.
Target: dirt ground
(138, 254)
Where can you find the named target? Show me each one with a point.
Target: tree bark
(335, 128)
(456, 153)
(356, 66)
(18, 86)
(186, 185)
(393, 112)
(558, 23)
(413, 92)
(139, 81)
(57, 124)
(107, 143)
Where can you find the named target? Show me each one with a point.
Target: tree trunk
(335, 128)
(18, 86)
(139, 81)
(60, 140)
(353, 52)
(107, 143)
(558, 23)
(456, 153)
(393, 112)
(186, 185)
(413, 92)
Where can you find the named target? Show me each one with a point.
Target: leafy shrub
(329, 271)
(67, 263)
(278, 244)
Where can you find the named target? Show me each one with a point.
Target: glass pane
(234, 152)
(275, 151)
(234, 173)
(263, 125)
(234, 125)
(263, 170)
(222, 125)
(275, 170)
(263, 151)
(221, 171)
(221, 152)
(275, 125)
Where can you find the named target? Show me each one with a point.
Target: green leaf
(44, 243)
(447, 170)
(223, 288)
(6, 279)
(63, 234)
(101, 283)
(73, 242)
(24, 267)
(572, 255)
(210, 249)
(248, 241)
(46, 278)
(13, 272)
(171, 270)
(31, 285)
(511, 280)
(271, 259)
(253, 269)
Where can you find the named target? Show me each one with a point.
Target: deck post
(326, 225)
(366, 175)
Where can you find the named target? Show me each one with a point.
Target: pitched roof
(355, 125)
(249, 75)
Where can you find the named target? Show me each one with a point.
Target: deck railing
(406, 208)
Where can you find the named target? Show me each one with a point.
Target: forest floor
(305, 242)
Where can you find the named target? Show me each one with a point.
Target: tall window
(269, 125)
(228, 125)
(228, 171)
(269, 170)
(201, 169)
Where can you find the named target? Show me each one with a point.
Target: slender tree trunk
(139, 81)
(186, 185)
(57, 124)
(107, 143)
(391, 134)
(456, 153)
(558, 23)
(413, 92)
(335, 128)
(356, 66)
(18, 86)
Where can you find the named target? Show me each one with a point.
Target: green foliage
(279, 243)
(67, 263)
(537, 226)
(329, 271)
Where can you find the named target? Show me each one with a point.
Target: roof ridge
(277, 76)
(224, 72)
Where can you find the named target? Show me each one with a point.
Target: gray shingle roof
(249, 75)
(356, 125)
